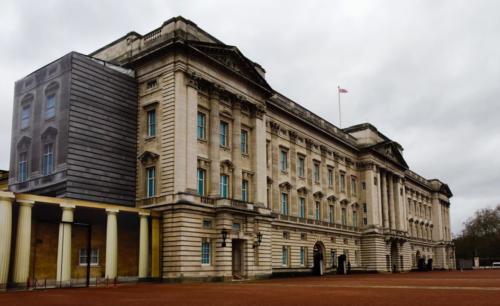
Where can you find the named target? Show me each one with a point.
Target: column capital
(28, 203)
(66, 206)
(112, 211)
(7, 196)
(144, 214)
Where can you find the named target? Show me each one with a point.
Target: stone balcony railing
(318, 222)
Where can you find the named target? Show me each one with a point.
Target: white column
(214, 143)
(64, 244)
(236, 150)
(143, 245)
(111, 244)
(23, 244)
(259, 160)
(385, 203)
(191, 137)
(6, 199)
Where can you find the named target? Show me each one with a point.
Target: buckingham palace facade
(185, 164)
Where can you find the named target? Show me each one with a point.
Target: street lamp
(224, 237)
(259, 240)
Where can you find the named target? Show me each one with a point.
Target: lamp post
(259, 240)
(224, 236)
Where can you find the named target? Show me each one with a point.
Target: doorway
(318, 256)
(237, 258)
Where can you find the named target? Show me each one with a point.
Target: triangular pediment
(391, 151)
(233, 59)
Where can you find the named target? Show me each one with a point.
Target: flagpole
(340, 114)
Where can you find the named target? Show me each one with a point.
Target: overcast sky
(425, 73)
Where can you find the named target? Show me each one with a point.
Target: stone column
(6, 199)
(236, 150)
(294, 202)
(437, 218)
(111, 244)
(23, 244)
(259, 158)
(64, 244)
(385, 205)
(275, 167)
(214, 143)
(143, 244)
(392, 202)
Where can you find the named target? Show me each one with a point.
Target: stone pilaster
(214, 143)
(191, 137)
(23, 244)
(385, 204)
(6, 199)
(64, 245)
(392, 204)
(143, 244)
(437, 219)
(294, 203)
(275, 129)
(372, 197)
(223, 255)
(311, 208)
(111, 244)
(259, 158)
(155, 247)
(236, 150)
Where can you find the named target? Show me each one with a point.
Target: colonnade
(21, 257)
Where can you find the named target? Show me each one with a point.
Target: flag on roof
(342, 90)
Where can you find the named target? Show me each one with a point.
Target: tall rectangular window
(284, 256)
(94, 257)
(50, 106)
(342, 182)
(244, 190)
(284, 203)
(48, 159)
(302, 207)
(283, 160)
(354, 219)
(318, 210)
(152, 123)
(150, 182)
(224, 186)
(301, 166)
(201, 181)
(244, 142)
(344, 216)
(302, 256)
(25, 116)
(353, 186)
(316, 172)
(23, 167)
(331, 214)
(224, 130)
(330, 178)
(201, 124)
(205, 251)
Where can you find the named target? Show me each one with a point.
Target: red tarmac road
(432, 288)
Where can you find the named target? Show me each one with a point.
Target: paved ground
(431, 288)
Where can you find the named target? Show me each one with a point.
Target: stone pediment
(391, 150)
(231, 58)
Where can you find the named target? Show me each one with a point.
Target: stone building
(231, 178)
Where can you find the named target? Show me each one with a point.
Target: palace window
(224, 130)
(201, 123)
(365, 221)
(331, 213)
(318, 210)
(50, 106)
(207, 224)
(244, 190)
(283, 160)
(23, 167)
(355, 219)
(152, 123)
(330, 178)
(284, 256)
(224, 186)
(150, 182)
(302, 207)
(302, 256)
(365, 208)
(344, 216)
(342, 182)
(94, 257)
(353, 186)
(151, 84)
(301, 166)
(284, 203)
(205, 251)
(201, 181)
(25, 116)
(244, 142)
(48, 159)
(316, 173)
